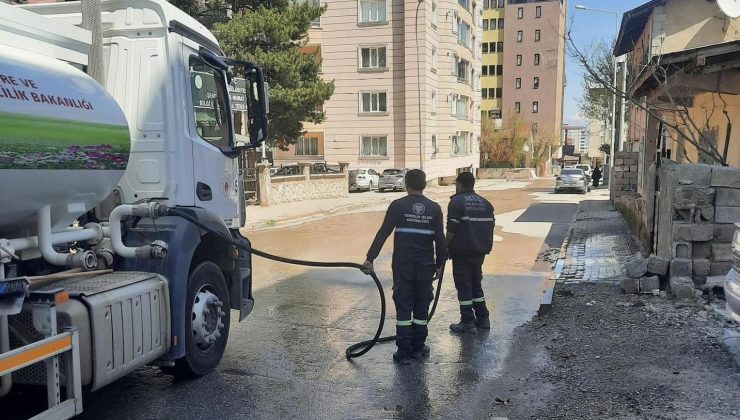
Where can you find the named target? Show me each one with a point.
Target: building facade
(492, 63)
(576, 136)
(381, 114)
(597, 135)
(534, 64)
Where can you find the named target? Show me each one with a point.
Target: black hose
(355, 350)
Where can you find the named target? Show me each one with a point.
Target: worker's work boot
(464, 328)
(402, 358)
(483, 323)
(421, 352)
(481, 314)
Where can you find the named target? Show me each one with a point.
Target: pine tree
(272, 34)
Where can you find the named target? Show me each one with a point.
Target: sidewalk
(597, 245)
(291, 214)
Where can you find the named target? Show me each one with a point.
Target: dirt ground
(603, 354)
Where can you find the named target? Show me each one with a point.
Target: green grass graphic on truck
(28, 142)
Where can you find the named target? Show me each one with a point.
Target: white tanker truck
(96, 279)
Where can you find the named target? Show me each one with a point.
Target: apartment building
(492, 63)
(597, 135)
(534, 63)
(407, 86)
(577, 137)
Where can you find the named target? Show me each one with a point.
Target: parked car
(363, 179)
(586, 169)
(392, 179)
(732, 281)
(572, 179)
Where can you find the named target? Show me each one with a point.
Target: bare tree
(670, 101)
(499, 145)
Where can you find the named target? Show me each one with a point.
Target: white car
(732, 281)
(363, 179)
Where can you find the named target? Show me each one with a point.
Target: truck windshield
(209, 103)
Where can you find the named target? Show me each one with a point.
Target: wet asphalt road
(286, 360)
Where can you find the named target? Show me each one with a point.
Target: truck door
(211, 132)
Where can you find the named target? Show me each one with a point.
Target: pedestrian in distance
(419, 231)
(470, 223)
(596, 175)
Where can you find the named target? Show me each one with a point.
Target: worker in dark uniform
(470, 224)
(419, 229)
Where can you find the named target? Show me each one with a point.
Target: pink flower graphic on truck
(100, 157)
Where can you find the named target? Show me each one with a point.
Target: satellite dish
(730, 7)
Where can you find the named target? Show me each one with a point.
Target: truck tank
(64, 141)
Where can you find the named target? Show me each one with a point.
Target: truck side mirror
(258, 103)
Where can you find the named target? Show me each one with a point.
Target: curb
(547, 295)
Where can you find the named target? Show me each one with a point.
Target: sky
(587, 26)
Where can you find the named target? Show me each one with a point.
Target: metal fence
(323, 168)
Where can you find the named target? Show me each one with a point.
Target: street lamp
(614, 79)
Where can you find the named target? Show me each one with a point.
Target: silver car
(571, 179)
(732, 281)
(392, 179)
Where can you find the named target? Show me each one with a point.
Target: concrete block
(689, 196)
(682, 250)
(648, 284)
(720, 268)
(728, 197)
(631, 175)
(723, 232)
(722, 252)
(701, 267)
(658, 265)
(619, 174)
(681, 267)
(636, 266)
(618, 162)
(707, 213)
(681, 287)
(726, 214)
(701, 249)
(699, 175)
(726, 177)
(634, 168)
(631, 286)
(693, 232)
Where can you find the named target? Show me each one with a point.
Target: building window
(374, 146)
(434, 102)
(435, 149)
(500, 70)
(487, 4)
(537, 34)
(373, 58)
(484, 93)
(518, 83)
(460, 104)
(464, 71)
(501, 23)
(372, 11)
(518, 59)
(500, 46)
(519, 36)
(535, 107)
(536, 83)
(460, 144)
(434, 15)
(374, 102)
(484, 48)
(485, 24)
(499, 93)
(484, 69)
(464, 34)
(538, 12)
(307, 146)
(520, 13)
(536, 59)
(464, 3)
(517, 107)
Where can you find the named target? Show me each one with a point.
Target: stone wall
(697, 206)
(625, 174)
(289, 189)
(505, 173)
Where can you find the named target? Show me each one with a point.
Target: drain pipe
(6, 381)
(84, 259)
(157, 249)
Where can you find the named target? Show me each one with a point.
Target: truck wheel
(207, 323)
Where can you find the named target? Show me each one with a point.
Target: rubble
(636, 266)
(657, 265)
